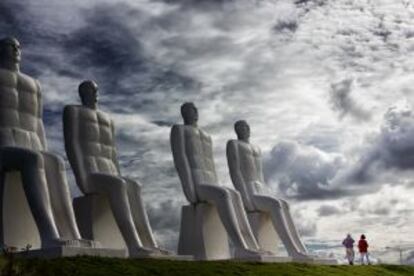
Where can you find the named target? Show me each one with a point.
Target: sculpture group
(36, 206)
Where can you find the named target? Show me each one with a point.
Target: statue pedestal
(202, 233)
(264, 231)
(97, 222)
(69, 251)
(17, 225)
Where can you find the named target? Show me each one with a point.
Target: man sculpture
(245, 165)
(193, 158)
(90, 146)
(23, 149)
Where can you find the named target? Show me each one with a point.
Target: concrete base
(56, 252)
(97, 222)
(202, 233)
(17, 225)
(265, 259)
(264, 231)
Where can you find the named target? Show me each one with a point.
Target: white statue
(193, 158)
(23, 149)
(245, 165)
(90, 146)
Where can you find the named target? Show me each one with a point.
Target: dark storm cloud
(391, 150)
(342, 101)
(302, 172)
(108, 48)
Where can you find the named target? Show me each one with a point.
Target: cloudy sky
(325, 86)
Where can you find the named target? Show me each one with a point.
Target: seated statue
(245, 165)
(23, 149)
(90, 146)
(193, 157)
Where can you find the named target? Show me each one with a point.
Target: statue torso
(250, 159)
(199, 152)
(20, 114)
(96, 141)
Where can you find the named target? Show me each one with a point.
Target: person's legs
(31, 166)
(367, 256)
(362, 258)
(352, 256)
(60, 197)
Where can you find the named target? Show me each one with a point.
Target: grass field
(106, 266)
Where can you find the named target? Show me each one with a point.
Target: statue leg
(242, 219)
(31, 166)
(116, 190)
(292, 227)
(222, 199)
(274, 207)
(139, 214)
(60, 197)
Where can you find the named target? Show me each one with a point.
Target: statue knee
(34, 159)
(284, 203)
(225, 195)
(57, 160)
(134, 185)
(121, 185)
(277, 203)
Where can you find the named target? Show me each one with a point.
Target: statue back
(20, 111)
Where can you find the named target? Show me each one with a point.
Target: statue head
(88, 92)
(242, 130)
(10, 53)
(189, 113)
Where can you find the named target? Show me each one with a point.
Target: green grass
(95, 266)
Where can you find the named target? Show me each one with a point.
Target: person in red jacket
(363, 249)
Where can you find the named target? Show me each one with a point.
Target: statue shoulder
(176, 130)
(232, 143)
(257, 150)
(104, 117)
(28, 83)
(70, 109)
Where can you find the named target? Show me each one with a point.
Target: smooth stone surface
(23, 149)
(246, 171)
(264, 231)
(68, 251)
(96, 221)
(117, 217)
(202, 233)
(18, 225)
(192, 150)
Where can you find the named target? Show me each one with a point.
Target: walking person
(363, 249)
(348, 243)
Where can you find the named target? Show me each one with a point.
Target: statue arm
(235, 173)
(182, 165)
(114, 152)
(259, 165)
(72, 147)
(40, 127)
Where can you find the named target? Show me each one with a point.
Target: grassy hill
(108, 267)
